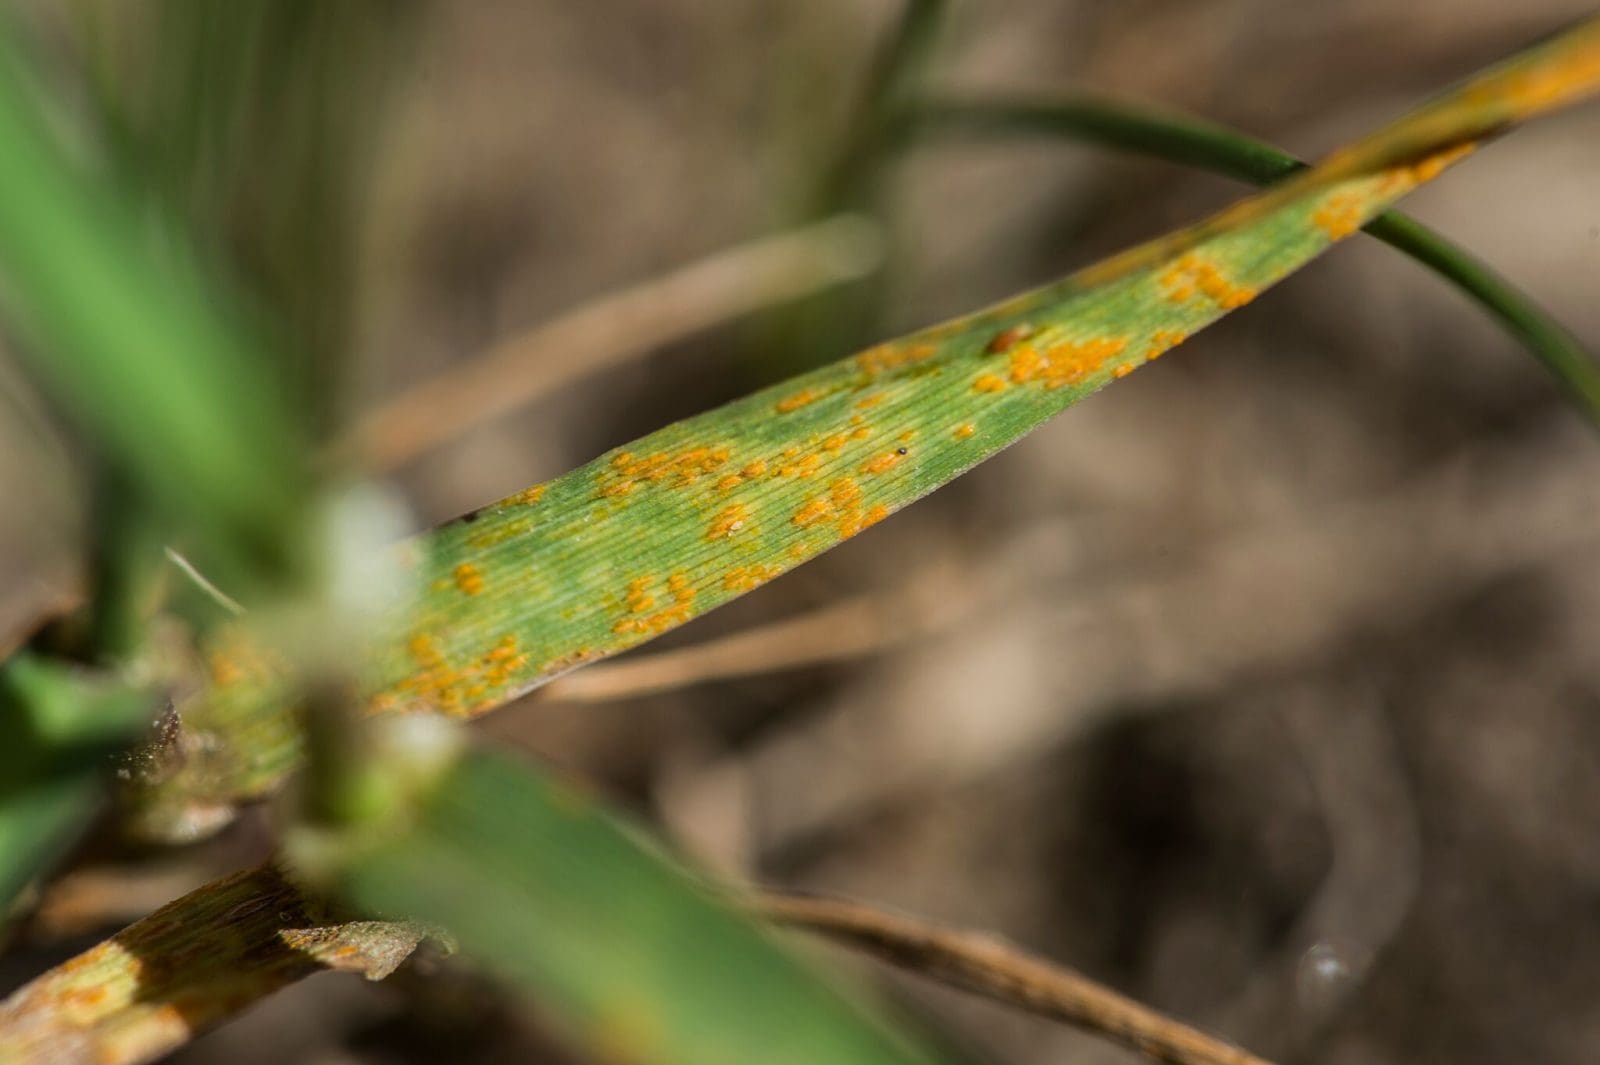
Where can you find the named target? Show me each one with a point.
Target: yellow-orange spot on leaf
(529, 496)
(641, 603)
(860, 433)
(730, 482)
(908, 436)
(844, 492)
(815, 509)
(892, 356)
(423, 650)
(1340, 215)
(1067, 363)
(638, 597)
(435, 680)
(883, 463)
(1162, 341)
(875, 515)
(1193, 274)
(989, 383)
(729, 521)
(1026, 364)
(964, 431)
(755, 469)
(681, 468)
(1122, 370)
(868, 402)
(835, 442)
(799, 399)
(743, 578)
(1435, 164)
(468, 578)
(502, 662)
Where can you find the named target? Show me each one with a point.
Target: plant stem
(989, 967)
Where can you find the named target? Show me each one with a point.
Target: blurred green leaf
(62, 725)
(630, 955)
(257, 122)
(140, 347)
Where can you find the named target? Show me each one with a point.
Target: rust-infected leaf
(653, 534)
(188, 966)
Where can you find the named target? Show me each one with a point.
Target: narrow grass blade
(1194, 142)
(62, 726)
(190, 965)
(132, 340)
(648, 536)
(618, 944)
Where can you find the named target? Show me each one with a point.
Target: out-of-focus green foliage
(62, 726)
(257, 123)
(632, 957)
(141, 348)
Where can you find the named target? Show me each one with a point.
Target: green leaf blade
(636, 961)
(650, 536)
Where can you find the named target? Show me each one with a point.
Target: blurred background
(1262, 687)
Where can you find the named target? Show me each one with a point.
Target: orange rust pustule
(964, 431)
(435, 681)
(743, 578)
(1340, 215)
(989, 383)
(840, 507)
(679, 589)
(1064, 364)
(675, 469)
(812, 511)
(875, 362)
(1194, 275)
(504, 660)
(883, 463)
(728, 521)
(1163, 341)
(638, 597)
(802, 398)
(469, 579)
